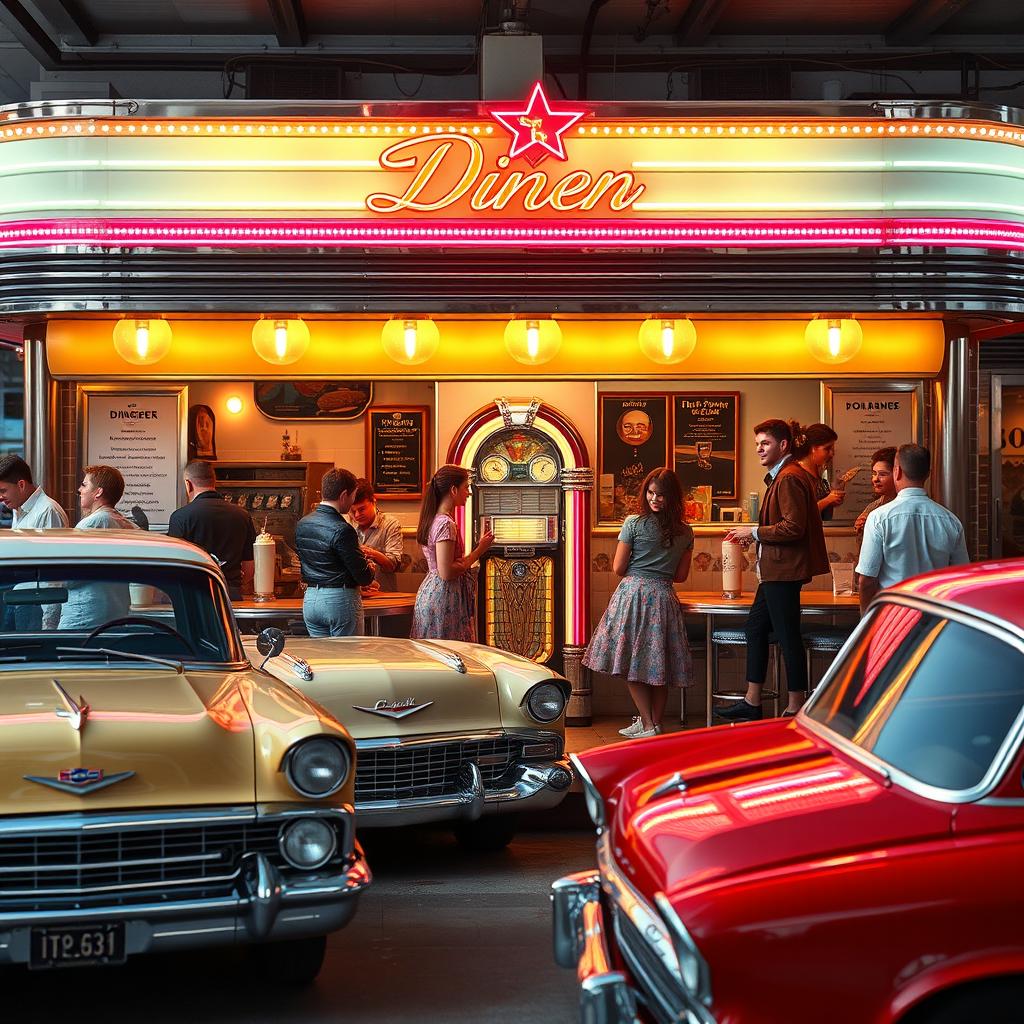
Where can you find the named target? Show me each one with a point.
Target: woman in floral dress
(642, 636)
(446, 601)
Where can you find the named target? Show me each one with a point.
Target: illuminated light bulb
(668, 338)
(835, 338)
(281, 339)
(532, 339)
(142, 339)
(234, 405)
(409, 339)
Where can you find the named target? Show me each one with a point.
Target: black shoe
(789, 714)
(741, 711)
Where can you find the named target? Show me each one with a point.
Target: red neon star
(537, 130)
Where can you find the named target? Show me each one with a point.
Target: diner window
(12, 403)
(930, 696)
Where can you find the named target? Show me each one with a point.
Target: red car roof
(994, 588)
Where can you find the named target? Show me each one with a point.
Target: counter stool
(737, 638)
(696, 640)
(826, 640)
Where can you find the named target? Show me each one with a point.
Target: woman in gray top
(642, 636)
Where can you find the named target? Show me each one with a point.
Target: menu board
(396, 451)
(704, 431)
(867, 419)
(141, 434)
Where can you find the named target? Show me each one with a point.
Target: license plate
(77, 945)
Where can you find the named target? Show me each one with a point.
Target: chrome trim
(283, 832)
(389, 742)
(91, 890)
(76, 714)
(1004, 756)
(568, 895)
(674, 786)
(442, 654)
(299, 666)
(123, 656)
(289, 756)
(1002, 801)
(101, 865)
(83, 821)
(78, 789)
(685, 946)
(592, 795)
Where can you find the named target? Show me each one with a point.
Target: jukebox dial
(494, 469)
(543, 469)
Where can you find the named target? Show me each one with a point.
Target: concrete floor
(442, 936)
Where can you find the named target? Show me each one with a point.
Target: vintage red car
(862, 863)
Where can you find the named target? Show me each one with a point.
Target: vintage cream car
(445, 731)
(158, 790)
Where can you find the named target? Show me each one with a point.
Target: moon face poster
(633, 440)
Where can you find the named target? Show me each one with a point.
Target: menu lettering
(397, 447)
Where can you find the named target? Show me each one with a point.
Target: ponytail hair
(440, 484)
(811, 436)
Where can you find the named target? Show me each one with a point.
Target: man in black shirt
(333, 567)
(223, 529)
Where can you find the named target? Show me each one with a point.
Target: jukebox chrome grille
(431, 769)
(518, 501)
(114, 867)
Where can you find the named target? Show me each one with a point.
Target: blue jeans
(333, 611)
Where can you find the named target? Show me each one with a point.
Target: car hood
(174, 738)
(765, 799)
(380, 687)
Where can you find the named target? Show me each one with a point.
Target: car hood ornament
(75, 713)
(79, 781)
(395, 708)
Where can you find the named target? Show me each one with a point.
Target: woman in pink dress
(446, 601)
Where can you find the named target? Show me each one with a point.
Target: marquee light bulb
(281, 338)
(532, 339)
(409, 339)
(668, 338)
(835, 338)
(142, 338)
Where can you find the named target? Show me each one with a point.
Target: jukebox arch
(532, 486)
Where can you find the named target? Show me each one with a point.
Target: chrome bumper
(534, 787)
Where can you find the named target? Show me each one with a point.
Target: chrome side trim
(91, 890)
(33, 824)
(1004, 756)
(299, 666)
(389, 742)
(102, 865)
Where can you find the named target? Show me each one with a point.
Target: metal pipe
(42, 436)
(949, 429)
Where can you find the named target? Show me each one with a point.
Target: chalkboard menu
(396, 451)
(705, 425)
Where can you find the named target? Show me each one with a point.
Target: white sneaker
(636, 726)
(646, 733)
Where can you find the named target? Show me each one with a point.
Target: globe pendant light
(666, 339)
(280, 341)
(410, 341)
(834, 339)
(534, 340)
(142, 341)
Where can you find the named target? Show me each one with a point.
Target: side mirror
(270, 643)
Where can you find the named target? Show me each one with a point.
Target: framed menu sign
(397, 438)
(704, 429)
(140, 431)
(632, 435)
(882, 414)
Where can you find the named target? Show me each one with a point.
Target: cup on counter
(264, 554)
(732, 569)
(141, 594)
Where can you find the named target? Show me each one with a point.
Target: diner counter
(281, 609)
(812, 602)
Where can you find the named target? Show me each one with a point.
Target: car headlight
(545, 702)
(307, 843)
(317, 767)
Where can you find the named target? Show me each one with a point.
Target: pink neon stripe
(334, 234)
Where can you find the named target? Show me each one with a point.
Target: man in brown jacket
(790, 550)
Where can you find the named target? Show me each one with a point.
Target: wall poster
(397, 440)
(705, 426)
(140, 431)
(868, 416)
(312, 399)
(633, 439)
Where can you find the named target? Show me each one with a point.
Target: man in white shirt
(91, 604)
(33, 510)
(911, 534)
(380, 536)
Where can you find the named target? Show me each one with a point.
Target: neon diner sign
(449, 166)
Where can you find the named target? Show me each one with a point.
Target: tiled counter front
(610, 694)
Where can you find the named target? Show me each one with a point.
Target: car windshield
(930, 696)
(134, 612)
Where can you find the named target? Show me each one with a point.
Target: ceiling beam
(30, 34)
(289, 24)
(698, 22)
(920, 20)
(68, 21)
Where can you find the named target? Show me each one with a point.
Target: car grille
(431, 769)
(659, 987)
(111, 867)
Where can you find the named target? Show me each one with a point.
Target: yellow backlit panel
(520, 529)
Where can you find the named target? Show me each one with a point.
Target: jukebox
(519, 497)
